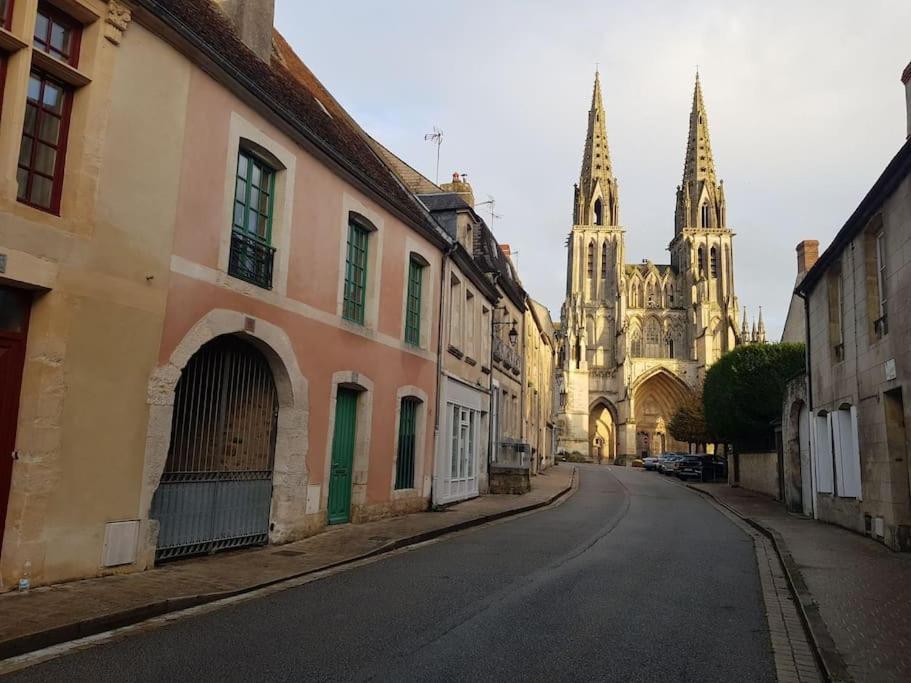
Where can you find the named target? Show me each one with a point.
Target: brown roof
(292, 91)
(414, 180)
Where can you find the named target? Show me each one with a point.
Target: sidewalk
(55, 614)
(855, 592)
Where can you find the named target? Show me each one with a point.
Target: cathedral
(637, 338)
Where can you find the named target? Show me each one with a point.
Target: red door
(14, 309)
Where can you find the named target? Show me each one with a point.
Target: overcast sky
(804, 101)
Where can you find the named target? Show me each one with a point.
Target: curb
(829, 659)
(31, 642)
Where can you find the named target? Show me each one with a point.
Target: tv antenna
(491, 203)
(437, 138)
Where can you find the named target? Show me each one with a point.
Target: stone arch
(657, 395)
(289, 498)
(602, 430)
(798, 486)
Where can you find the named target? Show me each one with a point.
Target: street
(633, 578)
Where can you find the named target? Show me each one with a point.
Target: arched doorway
(602, 432)
(216, 489)
(656, 399)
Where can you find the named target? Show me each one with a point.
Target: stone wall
(515, 480)
(759, 472)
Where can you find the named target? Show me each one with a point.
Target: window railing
(251, 260)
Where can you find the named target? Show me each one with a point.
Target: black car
(702, 467)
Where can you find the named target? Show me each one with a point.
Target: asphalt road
(633, 578)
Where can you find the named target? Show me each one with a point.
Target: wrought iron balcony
(251, 260)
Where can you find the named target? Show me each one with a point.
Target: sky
(804, 101)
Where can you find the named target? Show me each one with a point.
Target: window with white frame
(463, 435)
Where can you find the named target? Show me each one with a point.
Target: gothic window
(670, 294)
(652, 339)
(591, 259)
(706, 216)
(669, 343)
(652, 296)
(635, 344)
(701, 259)
(599, 213)
(713, 259)
(604, 260)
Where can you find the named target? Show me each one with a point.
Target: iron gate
(216, 489)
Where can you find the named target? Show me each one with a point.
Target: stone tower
(636, 338)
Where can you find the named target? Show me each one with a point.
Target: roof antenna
(491, 203)
(437, 137)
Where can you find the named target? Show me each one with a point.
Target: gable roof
(286, 87)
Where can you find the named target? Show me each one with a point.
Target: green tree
(743, 391)
(688, 423)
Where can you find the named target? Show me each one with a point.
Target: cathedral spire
(596, 195)
(699, 164)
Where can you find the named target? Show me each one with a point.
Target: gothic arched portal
(656, 398)
(602, 431)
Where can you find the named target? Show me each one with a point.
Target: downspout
(811, 422)
(491, 429)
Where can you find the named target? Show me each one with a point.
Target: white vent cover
(120, 541)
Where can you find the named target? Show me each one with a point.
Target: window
(652, 339)
(591, 260)
(455, 312)
(413, 305)
(6, 13)
(604, 261)
(834, 294)
(670, 346)
(355, 273)
(635, 345)
(823, 452)
(404, 464)
(670, 295)
(879, 296)
(713, 262)
(846, 452)
(463, 423)
(469, 324)
(599, 212)
(252, 255)
(701, 260)
(39, 174)
(485, 335)
(56, 34)
(706, 216)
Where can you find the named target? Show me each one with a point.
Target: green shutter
(413, 307)
(404, 464)
(355, 274)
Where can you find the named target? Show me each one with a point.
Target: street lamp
(513, 333)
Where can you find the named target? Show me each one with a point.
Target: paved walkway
(50, 615)
(860, 589)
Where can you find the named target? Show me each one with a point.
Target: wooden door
(14, 311)
(342, 468)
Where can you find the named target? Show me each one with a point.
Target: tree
(743, 391)
(688, 423)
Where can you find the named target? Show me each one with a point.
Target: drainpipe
(812, 419)
(447, 254)
(491, 430)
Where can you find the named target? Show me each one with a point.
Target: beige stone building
(859, 360)
(540, 368)
(634, 338)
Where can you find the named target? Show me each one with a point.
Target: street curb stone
(827, 656)
(32, 642)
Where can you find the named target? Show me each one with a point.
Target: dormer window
(57, 35)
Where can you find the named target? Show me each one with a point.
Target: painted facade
(635, 338)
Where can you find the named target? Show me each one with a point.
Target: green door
(342, 456)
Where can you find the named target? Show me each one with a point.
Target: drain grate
(289, 553)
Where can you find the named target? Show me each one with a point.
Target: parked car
(638, 462)
(690, 467)
(651, 462)
(703, 467)
(669, 463)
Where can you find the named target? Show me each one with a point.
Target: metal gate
(216, 489)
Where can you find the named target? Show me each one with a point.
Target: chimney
(507, 252)
(807, 253)
(252, 21)
(460, 186)
(906, 79)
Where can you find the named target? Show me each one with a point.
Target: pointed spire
(596, 178)
(699, 164)
(761, 328)
(596, 158)
(744, 327)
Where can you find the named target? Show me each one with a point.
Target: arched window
(652, 301)
(635, 344)
(591, 259)
(701, 259)
(604, 261)
(653, 339)
(670, 294)
(713, 259)
(599, 213)
(706, 216)
(669, 344)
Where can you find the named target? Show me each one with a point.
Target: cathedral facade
(636, 339)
